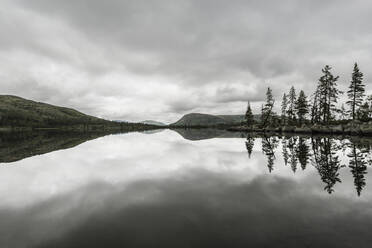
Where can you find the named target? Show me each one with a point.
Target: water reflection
(324, 156)
(160, 190)
(16, 146)
(269, 145)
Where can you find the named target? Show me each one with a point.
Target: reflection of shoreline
(210, 133)
(354, 129)
(206, 133)
(152, 131)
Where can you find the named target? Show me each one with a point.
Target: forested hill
(19, 112)
(206, 120)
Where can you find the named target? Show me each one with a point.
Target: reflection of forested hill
(17, 146)
(206, 133)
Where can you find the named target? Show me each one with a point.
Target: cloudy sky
(159, 59)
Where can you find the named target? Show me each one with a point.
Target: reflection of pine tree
(249, 143)
(302, 152)
(285, 150)
(268, 148)
(358, 167)
(292, 153)
(326, 162)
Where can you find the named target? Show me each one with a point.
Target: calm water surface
(185, 189)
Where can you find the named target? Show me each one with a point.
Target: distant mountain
(155, 123)
(197, 119)
(207, 120)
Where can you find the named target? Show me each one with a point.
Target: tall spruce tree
(369, 100)
(249, 115)
(356, 91)
(268, 108)
(262, 117)
(284, 109)
(364, 112)
(291, 104)
(315, 113)
(302, 106)
(328, 94)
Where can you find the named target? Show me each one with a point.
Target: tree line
(322, 107)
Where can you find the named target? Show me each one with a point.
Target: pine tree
(369, 101)
(284, 109)
(356, 91)
(364, 112)
(249, 116)
(328, 94)
(262, 117)
(268, 108)
(302, 106)
(291, 104)
(315, 113)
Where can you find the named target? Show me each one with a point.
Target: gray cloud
(105, 56)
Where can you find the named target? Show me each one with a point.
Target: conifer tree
(356, 91)
(364, 112)
(284, 109)
(302, 106)
(328, 94)
(268, 108)
(315, 113)
(249, 116)
(369, 101)
(262, 117)
(291, 104)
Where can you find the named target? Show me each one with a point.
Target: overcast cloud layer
(159, 59)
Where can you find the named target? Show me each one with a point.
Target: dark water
(201, 188)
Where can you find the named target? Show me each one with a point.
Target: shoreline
(349, 129)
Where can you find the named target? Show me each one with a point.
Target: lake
(184, 188)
